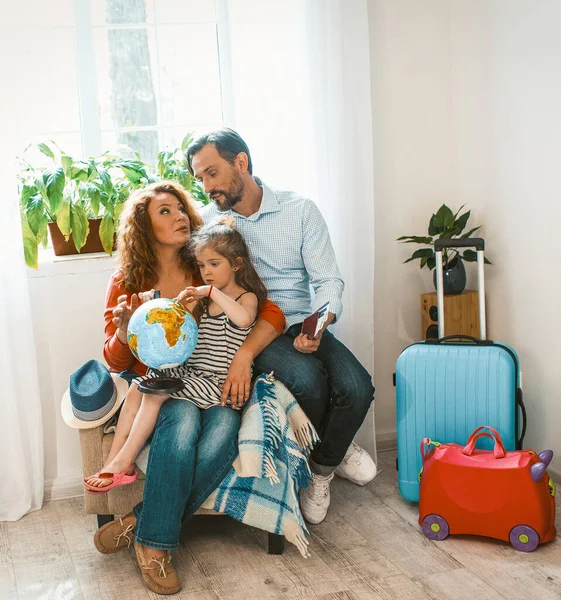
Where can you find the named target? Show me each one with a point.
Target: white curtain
(301, 79)
(21, 438)
(339, 72)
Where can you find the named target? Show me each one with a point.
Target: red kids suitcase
(494, 493)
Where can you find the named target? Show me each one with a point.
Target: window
(135, 72)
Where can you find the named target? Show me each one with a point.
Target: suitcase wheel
(435, 527)
(524, 538)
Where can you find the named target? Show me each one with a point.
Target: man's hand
(304, 344)
(122, 314)
(238, 382)
(307, 345)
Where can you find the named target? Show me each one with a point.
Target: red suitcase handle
(498, 450)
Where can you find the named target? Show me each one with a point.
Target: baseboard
(386, 441)
(60, 488)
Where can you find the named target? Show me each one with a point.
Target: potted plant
(445, 224)
(70, 199)
(79, 201)
(172, 165)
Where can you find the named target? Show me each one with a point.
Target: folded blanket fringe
(272, 434)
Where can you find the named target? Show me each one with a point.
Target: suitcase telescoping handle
(479, 245)
(462, 337)
(498, 450)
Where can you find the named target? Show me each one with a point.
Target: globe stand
(164, 386)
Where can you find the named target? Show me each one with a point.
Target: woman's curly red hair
(138, 256)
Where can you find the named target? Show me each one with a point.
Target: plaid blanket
(262, 488)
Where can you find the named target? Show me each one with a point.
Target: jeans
(332, 387)
(191, 452)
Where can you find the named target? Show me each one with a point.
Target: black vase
(454, 277)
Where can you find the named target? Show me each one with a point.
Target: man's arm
(320, 262)
(325, 277)
(238, 382)
(270, 325)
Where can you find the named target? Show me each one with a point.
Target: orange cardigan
(119, 356)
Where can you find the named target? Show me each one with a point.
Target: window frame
(88, 92)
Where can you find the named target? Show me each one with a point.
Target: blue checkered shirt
(290, 247)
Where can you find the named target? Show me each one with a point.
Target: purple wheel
(435, 527)
(524, 538)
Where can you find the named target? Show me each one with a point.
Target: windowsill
(74, 264)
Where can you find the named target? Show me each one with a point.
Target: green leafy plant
(444, 224)
(70, 192)
(172, 165)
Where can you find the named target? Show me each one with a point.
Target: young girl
(226, 309)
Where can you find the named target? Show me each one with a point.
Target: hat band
(94, 415)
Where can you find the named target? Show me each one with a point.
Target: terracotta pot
(62, 247)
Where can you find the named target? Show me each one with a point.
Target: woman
(191, 451)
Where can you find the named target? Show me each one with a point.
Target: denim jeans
(332, 387)
(191, 452)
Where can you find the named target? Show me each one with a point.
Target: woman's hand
(122, 314)
(238, 382)
(191, 293)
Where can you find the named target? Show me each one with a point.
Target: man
(291, 249)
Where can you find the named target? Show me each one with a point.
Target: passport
(312, 324)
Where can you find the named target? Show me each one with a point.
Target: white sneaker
(357, 466)
(314, 500)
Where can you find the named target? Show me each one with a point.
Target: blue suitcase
(447, 387)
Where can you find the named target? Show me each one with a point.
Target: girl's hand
(191, 293)
(146, 296)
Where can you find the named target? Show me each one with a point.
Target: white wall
(67, 301)
(411, 96)
(507, 133)
(467, 110)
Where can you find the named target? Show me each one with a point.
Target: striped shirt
(289, 244)
(219, 339)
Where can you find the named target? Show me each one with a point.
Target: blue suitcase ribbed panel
(446, 391)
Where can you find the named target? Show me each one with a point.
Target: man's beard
(232, 196)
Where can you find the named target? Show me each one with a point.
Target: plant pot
(454, 277)
(62, 247)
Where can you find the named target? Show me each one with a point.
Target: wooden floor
(370, 546)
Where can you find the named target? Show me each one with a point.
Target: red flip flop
(118, 479)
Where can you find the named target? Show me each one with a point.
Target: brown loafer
(115, 535)
(158, 573)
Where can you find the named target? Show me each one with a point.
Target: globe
(162, 333)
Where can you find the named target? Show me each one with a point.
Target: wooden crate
(461, 312)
